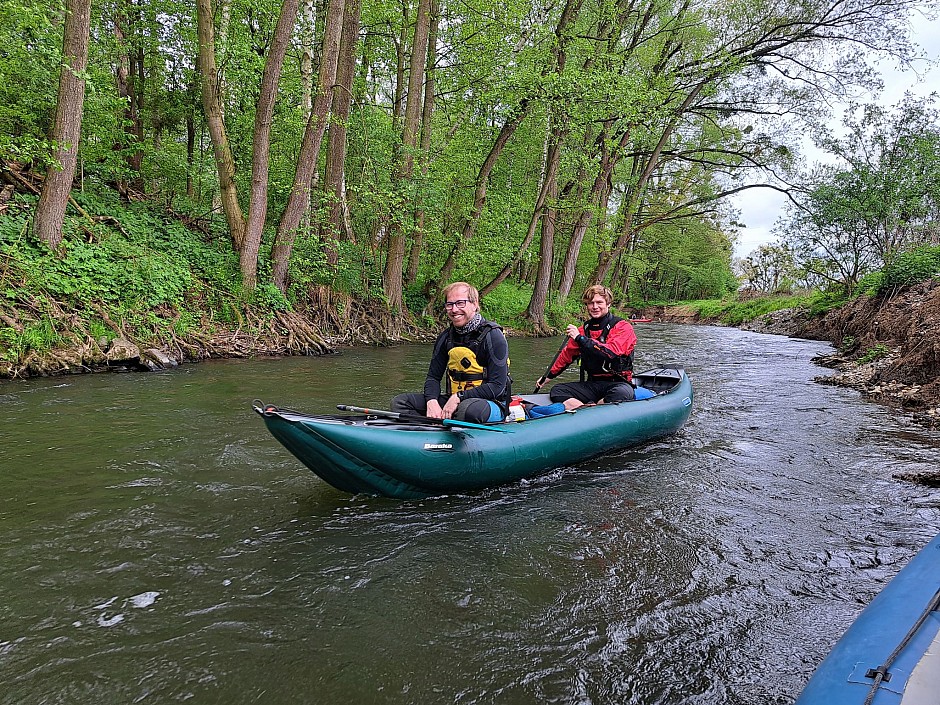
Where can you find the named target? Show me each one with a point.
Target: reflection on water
(159, 545)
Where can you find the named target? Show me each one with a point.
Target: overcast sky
(760, 207)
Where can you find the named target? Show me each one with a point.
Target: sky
(760, 207)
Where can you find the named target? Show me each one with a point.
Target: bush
(870, 284)
(506, 303)
(911, 267)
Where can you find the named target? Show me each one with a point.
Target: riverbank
(888, 348)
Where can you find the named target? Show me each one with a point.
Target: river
(158, 545)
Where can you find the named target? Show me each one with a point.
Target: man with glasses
(472, 358)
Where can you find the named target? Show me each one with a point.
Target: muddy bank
(889, 349)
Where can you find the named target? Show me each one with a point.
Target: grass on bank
(735, 311)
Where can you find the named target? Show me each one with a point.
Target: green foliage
(870, 284)
(415, 300)
(30, 54)
(911, 267)
(876, 352)
(114, 271)
(38, 337)
(495, 58)
(826, 300)
(268, 297)
(98, 329)
(135, 265)
(735, 312)
(506, 302)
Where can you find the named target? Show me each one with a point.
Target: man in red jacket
(605, 345)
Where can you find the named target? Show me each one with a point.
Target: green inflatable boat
(414, 457)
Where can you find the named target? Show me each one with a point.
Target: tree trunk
(212, 105)
(600, 191)
(536, 310)
(337, 225)
(310, 147)
(66, 130)
(426, 115)
(393, 276)
(260, 158)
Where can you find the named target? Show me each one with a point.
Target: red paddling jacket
(605, 346)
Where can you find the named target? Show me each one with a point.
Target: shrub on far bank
(910, 267)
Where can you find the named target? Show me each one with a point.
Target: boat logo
(686, 402)
(438, 446)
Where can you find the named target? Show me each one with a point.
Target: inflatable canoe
(413, 458)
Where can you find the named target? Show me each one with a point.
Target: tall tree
(536, 309)
(427, 115)
(337, 224)
(212, 107)
(66, 131)
(310, 147)
(393, 276)
(558, 126)
(264, 110)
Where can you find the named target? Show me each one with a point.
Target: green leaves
(911, 267)
(880, 201)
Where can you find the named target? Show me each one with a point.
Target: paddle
(549, 368)
(423, 419)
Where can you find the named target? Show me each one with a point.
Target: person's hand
(572, 331)
(540, 383)
(448, 411)
(434, 410)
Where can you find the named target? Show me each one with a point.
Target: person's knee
(478, 411)
(622, 392)
(560, 393)
(570, 390)
(405, 404)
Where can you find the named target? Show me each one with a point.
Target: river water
(158, 545)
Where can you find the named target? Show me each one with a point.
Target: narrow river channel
(158, 545)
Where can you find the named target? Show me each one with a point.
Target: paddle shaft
(554, 359)
(424, 419)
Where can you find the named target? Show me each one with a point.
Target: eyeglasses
(459, 303)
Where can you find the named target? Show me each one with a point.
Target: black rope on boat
(881, 674)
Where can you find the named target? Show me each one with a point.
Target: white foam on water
(110, 621)
(144, 599)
